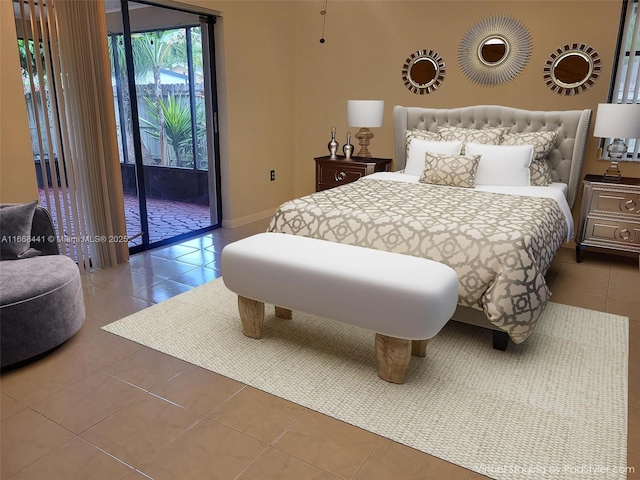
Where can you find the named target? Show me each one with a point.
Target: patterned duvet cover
(500, 245)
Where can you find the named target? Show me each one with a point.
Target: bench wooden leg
(419, 348)
(284, 313)
(393, 357)
(252, 316)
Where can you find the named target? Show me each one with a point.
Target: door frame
(213, 136)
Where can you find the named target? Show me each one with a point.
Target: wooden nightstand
(334, 172)
(610, 215)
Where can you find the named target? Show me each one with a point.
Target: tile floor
(102, 407)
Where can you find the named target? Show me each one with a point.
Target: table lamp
(617, 121)
(365, 114)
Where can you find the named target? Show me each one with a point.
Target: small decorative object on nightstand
(332, 172)
(610, 215)
(617, 121)
(333, 144)
(364, 114)
(347, 148)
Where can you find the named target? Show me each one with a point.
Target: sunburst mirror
(494, 50)
(423, 71)
(572, 69)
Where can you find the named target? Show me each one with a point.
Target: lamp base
(617, 149)
(612, 174)
(363, 136)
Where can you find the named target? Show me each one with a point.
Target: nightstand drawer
(610, 215)
(333, 172)
(615, 202)
(612, 231)
(339, 175)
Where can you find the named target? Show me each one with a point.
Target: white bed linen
(555, 191)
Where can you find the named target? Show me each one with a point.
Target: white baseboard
(238, 222)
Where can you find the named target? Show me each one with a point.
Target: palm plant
(153, 51)
(175, 122)
(156, 50)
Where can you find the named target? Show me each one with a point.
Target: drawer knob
(625, 234)
(630, 205)
(339, 176)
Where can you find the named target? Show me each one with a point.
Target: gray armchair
(41, 300)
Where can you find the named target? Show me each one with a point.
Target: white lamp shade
(365, 113)
(617, 120)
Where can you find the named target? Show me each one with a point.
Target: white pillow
(418, 148)
(502, 164)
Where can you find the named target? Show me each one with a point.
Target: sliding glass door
(164, 93)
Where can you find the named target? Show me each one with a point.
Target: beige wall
(17, 172)
(282, 90)
(257, 107)
(367, 44)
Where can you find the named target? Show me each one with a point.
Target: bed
(500, 239)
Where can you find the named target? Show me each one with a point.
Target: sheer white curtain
(78, 127)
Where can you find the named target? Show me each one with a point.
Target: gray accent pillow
(15, 231)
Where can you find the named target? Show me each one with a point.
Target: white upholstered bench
(406, 300)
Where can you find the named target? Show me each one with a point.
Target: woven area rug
(552, 407)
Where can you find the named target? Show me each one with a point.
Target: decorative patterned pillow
(543, 143)
(421, 134)
(16, 221)
(540, 173)
(489, 136)
(450, 170)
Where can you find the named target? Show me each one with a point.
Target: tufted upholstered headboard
(565, 159)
